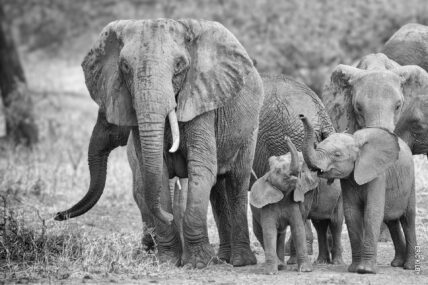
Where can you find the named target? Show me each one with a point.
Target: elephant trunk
(105, 137)
(310, 155)
(294, 165)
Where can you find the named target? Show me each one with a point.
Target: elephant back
(409, 46)
(285, 99)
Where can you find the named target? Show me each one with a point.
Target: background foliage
(302, 38)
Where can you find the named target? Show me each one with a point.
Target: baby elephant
(280, 198)
(376, 172)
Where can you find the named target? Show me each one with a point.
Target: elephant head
(367, 153)
(288, 174)
(412, 126)
(371, 94)
(144, 73)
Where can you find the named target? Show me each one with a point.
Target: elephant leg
(336, 226)
(202, 173)
(220, 207)
(373, 218)
(149, 239)
(299, 240)
(409, 228)
(384, 235)
(179, 207)
(399, 243)
(309, 240)
(321, 227)
(353, 212)
(237, 184)
(270, 236)
(168, 236)
(280, 244)
(258, 231)
(293, 257)
(309, 237)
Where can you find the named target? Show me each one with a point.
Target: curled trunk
(310, 155)
(105, 137)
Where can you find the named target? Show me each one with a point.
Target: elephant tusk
(178, 184)
(172, 117)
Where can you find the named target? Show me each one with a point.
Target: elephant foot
(398, 261)
(271, 268)
(322, 260)
(199, 255)
(306, 266)
(337, 260)
(292, 260)
(367, 266)
(353, 267)
(149, 241)
(409, 264)
(281, 265)
(243, 256)
(224, 253)
(169, 256)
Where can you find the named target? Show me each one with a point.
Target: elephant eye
(337, 154)
(180, 65)
(125, 67)
(359, 108)
(397, 107)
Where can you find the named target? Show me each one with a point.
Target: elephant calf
(376, 172)
(326, 212)
(283, 197)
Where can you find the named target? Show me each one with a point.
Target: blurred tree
(18, 108)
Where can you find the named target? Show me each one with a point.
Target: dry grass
(103, 245)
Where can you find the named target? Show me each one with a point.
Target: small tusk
(254, 174)
(178, 184)
(172, 117)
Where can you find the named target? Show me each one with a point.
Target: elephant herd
(187, 100)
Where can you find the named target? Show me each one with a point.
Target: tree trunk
(18, 108)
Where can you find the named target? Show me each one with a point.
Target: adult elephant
(409, 45)
(372, 94)
(191, 86)
(285, 99)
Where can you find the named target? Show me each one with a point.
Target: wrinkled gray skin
(326, 213)
(376, 172)
(371, 94)
(409, 45)
(188, 86)
(282, 198)
(285, 98)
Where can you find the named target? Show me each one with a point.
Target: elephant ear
(307, 181)
(218, 68)
(104, 79)
(263, 193)
(379, 150)
(337, 97)
(414, 80)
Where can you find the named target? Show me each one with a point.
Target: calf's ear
(263, 193)
(307, 181)
(379, 150)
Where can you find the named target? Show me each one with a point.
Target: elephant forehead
(337, 141)
(378, 84)
(148, 29)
